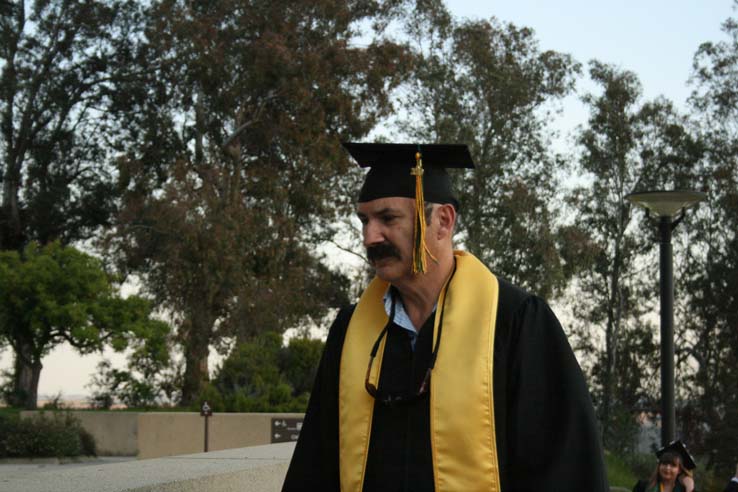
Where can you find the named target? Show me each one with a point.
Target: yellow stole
(461, 398)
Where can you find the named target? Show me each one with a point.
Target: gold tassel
(419, 249)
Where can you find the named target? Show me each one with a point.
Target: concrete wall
(173, 433)
(156, 434)
(115, 433)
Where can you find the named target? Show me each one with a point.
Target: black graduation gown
(547, 435)
(642, 486)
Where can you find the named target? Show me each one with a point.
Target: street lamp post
(667, 205)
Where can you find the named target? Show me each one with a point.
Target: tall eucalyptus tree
(233, 167)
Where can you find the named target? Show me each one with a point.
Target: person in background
(673, 472)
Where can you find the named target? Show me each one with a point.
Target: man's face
(387, 228)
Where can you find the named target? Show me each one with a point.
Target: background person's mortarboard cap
(413, 171)
(679, 448)
(391, 164)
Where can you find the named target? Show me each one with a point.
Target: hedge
(41, 436)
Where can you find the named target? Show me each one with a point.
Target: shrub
(87, 441)
(619, 473)
(210, 394)
(642, 464)
(57, 435)
(55, 403)
(262, 375)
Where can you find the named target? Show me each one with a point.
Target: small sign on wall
(205, 410)
(286, 430)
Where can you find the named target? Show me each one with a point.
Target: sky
(656, 39)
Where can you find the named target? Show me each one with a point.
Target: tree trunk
(25, 381)
(614, 315)
(196, 372)
(11, 236)
(608, 385)
(196, 348)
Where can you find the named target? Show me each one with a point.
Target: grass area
(9, 412)
(619, 474)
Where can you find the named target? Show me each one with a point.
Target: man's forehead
(396, 203)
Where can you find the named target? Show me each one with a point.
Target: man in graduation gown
(443, 377)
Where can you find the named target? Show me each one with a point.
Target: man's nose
(372, 234)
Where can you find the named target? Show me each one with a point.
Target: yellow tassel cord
(420, 249)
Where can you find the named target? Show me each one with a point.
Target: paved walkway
(253, 469)
(14, 469)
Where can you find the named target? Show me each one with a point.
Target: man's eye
(388, 218)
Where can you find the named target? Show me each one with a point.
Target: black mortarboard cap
(391, 164)
(679, 448)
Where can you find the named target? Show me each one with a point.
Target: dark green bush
(54, 435)
(619, 474)
(89, 446)
(262, 375)
(642, 464)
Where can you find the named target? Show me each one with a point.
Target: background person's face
(668, 471)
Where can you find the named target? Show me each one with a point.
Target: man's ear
(446, 214)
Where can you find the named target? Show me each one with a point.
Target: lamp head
(666, 203)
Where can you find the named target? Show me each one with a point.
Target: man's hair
(428, 212)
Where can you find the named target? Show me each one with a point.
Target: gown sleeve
(551, 436)
(314, 464)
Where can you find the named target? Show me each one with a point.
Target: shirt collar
(401, 318)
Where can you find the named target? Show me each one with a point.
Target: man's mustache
(381, 251)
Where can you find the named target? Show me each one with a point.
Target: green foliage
(622, 428)
(232, 160)
(54, 403)
(88, 446)
(44, 435)
(59, 60)
(264, 376)
(49, 293)
(150, 378)
(642, 464)
(134, 387)
(299, 363)
(54, 294)
(210, 394)
(620, 473)
(487, 83)
(626, 146)
(8, 412)
(708, 348)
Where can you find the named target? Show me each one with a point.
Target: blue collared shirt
(401, 318)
